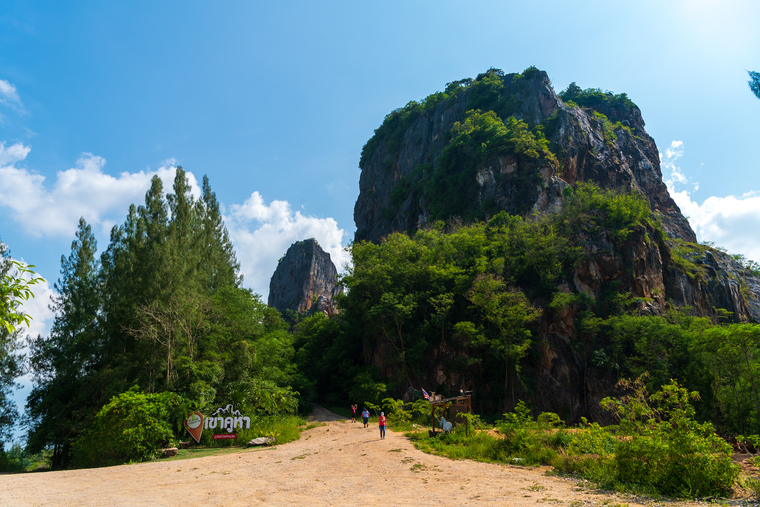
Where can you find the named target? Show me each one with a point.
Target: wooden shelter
(456, 405)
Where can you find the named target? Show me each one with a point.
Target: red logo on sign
(194, 425)
(224, 436)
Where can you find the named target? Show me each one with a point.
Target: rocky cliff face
(605, 143)
(305, 280)
(613, 151)
(646, 269)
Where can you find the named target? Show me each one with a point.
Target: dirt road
(340, 463)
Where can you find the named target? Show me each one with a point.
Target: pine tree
(219, 264)
(183, 235)
(66, 363)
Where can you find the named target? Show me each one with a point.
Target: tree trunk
(751, 381)
(736, 398)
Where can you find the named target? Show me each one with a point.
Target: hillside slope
(508, 142)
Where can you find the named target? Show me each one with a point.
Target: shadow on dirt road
(321, 414)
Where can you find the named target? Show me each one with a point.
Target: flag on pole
(425, 394)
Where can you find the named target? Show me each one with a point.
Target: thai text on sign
(220, 420)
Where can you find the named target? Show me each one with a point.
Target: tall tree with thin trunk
(65, 364)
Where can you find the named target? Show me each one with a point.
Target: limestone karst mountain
(418, 168)
(305, 280)
(509, 142)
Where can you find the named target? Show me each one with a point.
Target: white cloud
(9, 96)
(730, 222)
(82, 191)
(263, 233)
(675, 176)
(12, 154)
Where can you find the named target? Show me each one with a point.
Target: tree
(508, 312)
(161, 310)
(66, 363)
(219, 266)
(16, 281)
(754, 83)
(14, 290)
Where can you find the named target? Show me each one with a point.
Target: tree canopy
(754, 82)
(161, 309)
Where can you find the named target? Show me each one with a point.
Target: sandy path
(339, 463)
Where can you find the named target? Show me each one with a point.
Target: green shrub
(596, 99)
(133, 426)
(594, 439)
(402, 415)
(594, 209)
(269, 399)
(753, 485)
(667, 450)
(9, 463)
(527, 439)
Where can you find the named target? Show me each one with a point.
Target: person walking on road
(365, 417)
(381, 420)
(353, 412)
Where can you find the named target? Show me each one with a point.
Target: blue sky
(275, 100)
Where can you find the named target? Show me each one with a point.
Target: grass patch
(683, 255)
(479, 446)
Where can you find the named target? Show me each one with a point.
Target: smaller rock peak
(304, 275)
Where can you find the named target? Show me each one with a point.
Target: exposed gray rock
(304, 276)
(261, 441)
(170, 452)
(324, 304)
(631, 161)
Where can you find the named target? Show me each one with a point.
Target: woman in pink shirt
(381, 420)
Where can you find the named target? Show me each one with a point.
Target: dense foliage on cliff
(453, 187)
(162, 311)
(595, 98)
(485, 92)
(466, 299)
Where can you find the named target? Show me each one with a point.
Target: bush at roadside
(657, 448)
(133, 426)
